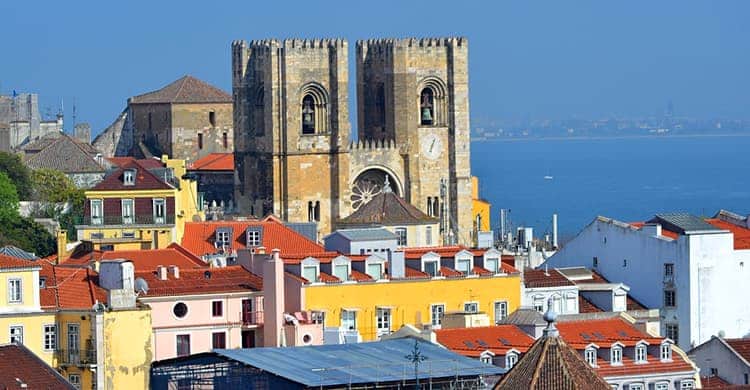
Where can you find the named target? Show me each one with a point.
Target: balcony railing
(145, 219)
(252, 318)
(76, 357)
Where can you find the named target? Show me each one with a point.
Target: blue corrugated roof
(10, 250)
(370, 234)
(373, 362)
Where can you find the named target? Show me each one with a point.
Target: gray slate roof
(524, 316)
(63, 153)
(187, 89)
(366, 234)
(369, 362)
(684, 223)
(13, 251)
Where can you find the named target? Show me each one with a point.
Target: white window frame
(687, 384)
(349, 319)
(127, 219)
(15, 293)
(439, 309)
(159, 219)
(401, 239)
(665, 352)
(538, 303)
(511, 359)
(222, 308)
(486, 357)
(222, 237)
(15, 332)
(253, 238)
(383, 320)
(75, 380)
(463, 266)
(503, 306)
(336, 271)
(128, 177)
(189, 344)
(468, 305)
(96, 207)
(641, 353)
(497, 268)
(635, 386)
(590, 354)
(374, 260)
(428, 235)
(49, 337)
(615, 355)
(570, 304)
(661, 386)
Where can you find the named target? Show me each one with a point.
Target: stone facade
(293, 155)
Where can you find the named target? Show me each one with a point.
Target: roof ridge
(182, 82)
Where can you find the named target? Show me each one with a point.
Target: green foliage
(8, 197)
(27, 235)
(18, 172)
(58, 198)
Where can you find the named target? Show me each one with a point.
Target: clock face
(432, 146)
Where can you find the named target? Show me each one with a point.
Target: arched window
(308, 115)
(427, 107)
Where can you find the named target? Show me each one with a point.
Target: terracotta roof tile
(202, 281)
(387, 208)
(741, 234)
(535, 278)
(472, 342)
(19, 366)
(144, 180)
(714, 382)
(411, 273)
(632, 303)
(9, 262)
(149, 259)
(199, 237)
(187, 89)
(586, 306)
(741, 346)
(76, 288)
(360, 276)
(327, 278)
(664, 231)
(481, 271)
(450, 272)
(214, 162)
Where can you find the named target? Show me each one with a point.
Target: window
(463, 266)
(223, 237)
(15, 291)
(687, 384)
(308, 115)
(428, 235)
(671, 331)
(640, 353)
(128, 177)
(670, 298)
(375, 270)
(669, 270)
(501, 311)
(253, 236)
(635, 386)
(217, 309)
(401, 234)
(539, 304)
(714, 371)
(590, 355)
(183, 345)
(570, 303)
(616, 355)
(313, 211)
(427, 107)
(341, 271)
(318, 317)
(127, 211)
(436, 314)
(431, 268)
(383, 320)
(97, 213)
(310, 272)
(50, 337)
(16, 334)
(349, 319)
(491, 265)
(42, 282)
(471, 307)
(486, 358)
(225, 138)
(510, 360)
(624, 262)
(218, 340)
(662, 386)
(747, 378)
(595, 262)
(74, 341)
(180, 310)
(159, 210)
(212, 118)
(666, 352)
(200, 140)
(75, 379)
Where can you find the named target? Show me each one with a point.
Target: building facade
(727, 359)
(293, 152)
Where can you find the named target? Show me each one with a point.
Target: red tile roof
(533, 278)
(322, 257)
(412, 273)
(214, 162)
(741, 234)
(69, 287)
(664, 232)
(10, 262)
(472, 342)
(149, 259)
(20, 366)
(481, 271)
(186, 89)
(632, 303)
(202, 281)
(741, 346)
(450, 272)
(144, 180)
(327, 278)
(199, 237)
(586, 306)
(360, 276)
(443, 251)
(715, 383)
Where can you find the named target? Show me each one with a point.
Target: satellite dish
(141, 286)
(722, 334)
(98, 307)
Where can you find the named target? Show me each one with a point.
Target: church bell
(426, 114)
(307, 115)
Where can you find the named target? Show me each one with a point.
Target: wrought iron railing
(76, 356)
(144, 219)
(252, 318)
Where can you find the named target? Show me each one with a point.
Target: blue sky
(543, 58)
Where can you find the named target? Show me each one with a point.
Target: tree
(8, 197)
(21, 232)
(18, 173)
(58, 198)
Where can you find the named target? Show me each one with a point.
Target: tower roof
(387, 208)
(187, 89)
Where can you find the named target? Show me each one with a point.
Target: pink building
(197, 310)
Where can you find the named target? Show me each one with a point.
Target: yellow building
(365, 297)
(142, 205)
(480, 208)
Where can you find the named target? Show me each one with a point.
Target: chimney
(554, 231)
(273, 300)
(62, 243)
(397, 265)
(175, 271)
(261, 250)
(161, 272)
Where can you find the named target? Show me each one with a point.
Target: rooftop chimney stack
(273, 300)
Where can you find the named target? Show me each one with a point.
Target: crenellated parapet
(388, 44)
(369, 144)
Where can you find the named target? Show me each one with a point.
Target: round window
(307, 339)
(180, 310)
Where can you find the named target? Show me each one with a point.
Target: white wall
(714, 354)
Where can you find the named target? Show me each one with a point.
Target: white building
(544, 285)
(727, 359)
(688, 267)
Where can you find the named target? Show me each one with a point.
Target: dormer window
(616, 355)
(666, 352)
(128, 177)
(432, 268)
(590, 356)
(463, 266)
(374, 268)
(254, 236)
(341, 268)
(223, 237)
(640, 353)
(310, 269)
(491, 264)
(511, 358)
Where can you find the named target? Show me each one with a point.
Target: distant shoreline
(597, 138)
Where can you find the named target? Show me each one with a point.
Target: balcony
(252, 318)
(669, 279)
(134, 220)
(79, 357)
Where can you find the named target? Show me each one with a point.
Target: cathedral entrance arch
(370, 182)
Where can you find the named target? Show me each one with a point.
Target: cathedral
(294, 154)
